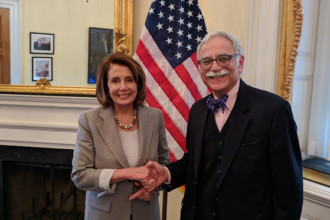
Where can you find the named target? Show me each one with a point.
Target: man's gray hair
(220, 34)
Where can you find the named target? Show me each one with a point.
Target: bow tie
(215, 104)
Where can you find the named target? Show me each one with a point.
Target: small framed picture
(42, 67)
(41, 43)
(99, 46)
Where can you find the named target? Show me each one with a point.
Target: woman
(115, 141)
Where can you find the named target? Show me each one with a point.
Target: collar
(232, 96)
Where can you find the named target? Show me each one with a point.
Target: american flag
(167, 53)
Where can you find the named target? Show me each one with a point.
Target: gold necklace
(123, 126)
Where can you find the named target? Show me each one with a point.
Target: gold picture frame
(123, 42)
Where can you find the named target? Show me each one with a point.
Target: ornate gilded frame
(123, 26)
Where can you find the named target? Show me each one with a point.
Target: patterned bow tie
(215, 104)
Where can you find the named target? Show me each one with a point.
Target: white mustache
(219, 73)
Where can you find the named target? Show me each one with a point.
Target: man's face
(220, 85)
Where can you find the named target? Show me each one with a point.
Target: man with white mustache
(244, 159)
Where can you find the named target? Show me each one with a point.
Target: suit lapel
(238, 124)
(200, 126)
(109, 133)
(146, 128)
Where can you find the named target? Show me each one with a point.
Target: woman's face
(121, 84)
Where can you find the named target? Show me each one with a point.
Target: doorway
(4, 46)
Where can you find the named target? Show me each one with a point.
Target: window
(311, 91)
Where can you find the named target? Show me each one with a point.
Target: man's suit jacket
(261, 176)
(99, 147)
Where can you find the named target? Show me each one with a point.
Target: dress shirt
(221, 117)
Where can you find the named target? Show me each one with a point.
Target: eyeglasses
(222, 60)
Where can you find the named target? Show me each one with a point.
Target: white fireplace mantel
(41, 120)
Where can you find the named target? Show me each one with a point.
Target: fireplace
(35, 184)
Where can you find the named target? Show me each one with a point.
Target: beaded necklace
(126, 127)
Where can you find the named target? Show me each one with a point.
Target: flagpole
(164, 205)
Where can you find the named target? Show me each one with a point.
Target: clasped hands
(149, 177)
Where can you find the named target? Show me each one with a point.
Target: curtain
(291, 33)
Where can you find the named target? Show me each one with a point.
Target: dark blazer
(99, 147)
(261, 174)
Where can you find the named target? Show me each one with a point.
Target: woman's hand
(142, 194)
(141, 173)
(134, 173)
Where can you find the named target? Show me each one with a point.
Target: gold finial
(119, 39)
(42, 83)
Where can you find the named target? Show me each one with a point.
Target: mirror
(123, 29)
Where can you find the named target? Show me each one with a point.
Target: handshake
(149, 177)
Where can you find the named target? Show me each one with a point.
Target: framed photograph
(99, 46)
(42, 67)
(41, 43)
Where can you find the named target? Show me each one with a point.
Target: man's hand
(159, 172)
(142, 194)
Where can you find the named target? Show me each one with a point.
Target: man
(243, 159)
